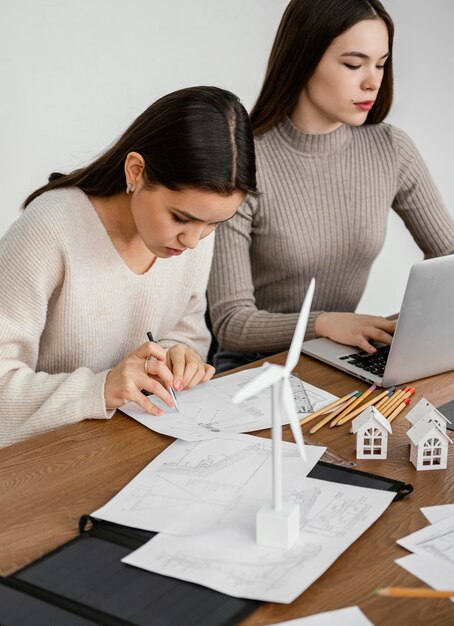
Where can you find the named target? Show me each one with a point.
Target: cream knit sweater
(323, 212)
(71, 309)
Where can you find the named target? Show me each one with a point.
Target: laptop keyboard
(372, 363)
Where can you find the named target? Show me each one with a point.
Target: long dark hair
(199, 137)
(306, 30)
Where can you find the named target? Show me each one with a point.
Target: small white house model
(428, 413)
(372, 431)
(428, 445)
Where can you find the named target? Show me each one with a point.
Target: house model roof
(370, 414)
(422, 430)
(422, 409)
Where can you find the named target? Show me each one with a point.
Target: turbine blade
(265, 379)
(298, 336)
(288, 402)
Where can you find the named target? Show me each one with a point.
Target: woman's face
(345, 84)
(170, 222)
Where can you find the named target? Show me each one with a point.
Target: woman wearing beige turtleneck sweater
(328, 171)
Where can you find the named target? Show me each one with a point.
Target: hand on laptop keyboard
(373, 363)
(355, 329)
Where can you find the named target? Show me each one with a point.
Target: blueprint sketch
(436, 540)
(229, 560)
(207, 410)
(192, 487)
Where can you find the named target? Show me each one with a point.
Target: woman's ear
(134, 167)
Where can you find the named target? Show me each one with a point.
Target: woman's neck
(310, 120)
(116, 217)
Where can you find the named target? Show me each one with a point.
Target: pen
(171, 389)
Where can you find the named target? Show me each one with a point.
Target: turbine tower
(278, 525)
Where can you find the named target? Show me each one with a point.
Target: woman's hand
(187, 367)
(354, 329)
(134, 373)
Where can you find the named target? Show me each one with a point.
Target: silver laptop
(423, 342)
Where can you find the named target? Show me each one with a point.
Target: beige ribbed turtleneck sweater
(323, 213)
(71, 309)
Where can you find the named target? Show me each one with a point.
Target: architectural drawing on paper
(441, 546)
(267, 572)
(207, 410)
(188, 481)
(338, 516)
(372, 430)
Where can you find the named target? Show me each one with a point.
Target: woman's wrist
(320, 324)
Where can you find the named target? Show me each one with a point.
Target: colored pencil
(361, 408)
(399, 393)
(400, 408)
(327, 408)
(353, 405)
(330, 416)
(390, 408)
(383, 401)
(413, 592)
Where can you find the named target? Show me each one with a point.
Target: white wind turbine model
(278, 525)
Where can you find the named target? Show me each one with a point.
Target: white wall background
(75, 73)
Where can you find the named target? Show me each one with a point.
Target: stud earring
(128, 188)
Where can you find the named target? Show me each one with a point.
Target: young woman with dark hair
(111, 251)
(328, 171)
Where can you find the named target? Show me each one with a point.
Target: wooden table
(47, 482)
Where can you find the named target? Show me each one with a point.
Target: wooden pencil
(398, 394)
(384, 400)
(361, 408)
(395, 400)
(413, 592)
(330, 416)
(397, 410)
(386, 412)
(327, 408)
(353, 405)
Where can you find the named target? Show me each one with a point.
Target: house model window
(432, 452)
(372, 430)
(373, 441)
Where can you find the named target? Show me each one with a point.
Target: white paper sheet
(207, 410)
(436, 540)
(437, 513)
(229, 560)
(431, 571)
(194, 486)
(350, 616)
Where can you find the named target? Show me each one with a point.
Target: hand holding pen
(136, 372)
(171, 389)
